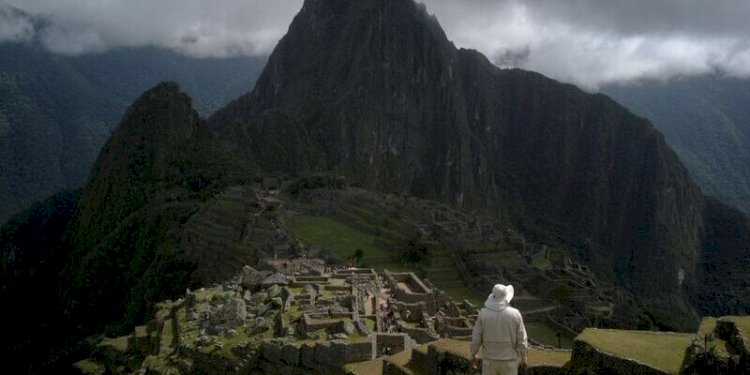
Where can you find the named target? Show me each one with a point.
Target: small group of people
(500, 333)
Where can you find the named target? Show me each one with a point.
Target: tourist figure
(500, 332)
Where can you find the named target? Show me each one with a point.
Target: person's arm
(522, 344)
(476, 338)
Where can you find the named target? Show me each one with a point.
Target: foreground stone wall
(278, 357)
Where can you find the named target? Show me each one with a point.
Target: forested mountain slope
(706, 120)
(57, 111)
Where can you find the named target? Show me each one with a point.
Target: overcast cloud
(587, 42)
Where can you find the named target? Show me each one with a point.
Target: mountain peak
(139, 152)
(383, 42)
(376, 89)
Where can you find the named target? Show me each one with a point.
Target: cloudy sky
(587, 42)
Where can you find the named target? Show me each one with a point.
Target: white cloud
(14, 26)
(587, 42)
(595, 42)
(195, 27)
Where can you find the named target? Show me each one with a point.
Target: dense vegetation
(33, 254)
(56, 111)
(706, 120)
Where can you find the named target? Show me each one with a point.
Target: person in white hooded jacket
(500, 332)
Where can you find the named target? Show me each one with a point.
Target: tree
(359, 254)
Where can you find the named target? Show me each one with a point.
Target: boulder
(259, 298)
(290, 354)
(347, 327)
(274, 291)
(309, 289)
(231, 314)
(250, 278)
(307, 355)
(275, 279)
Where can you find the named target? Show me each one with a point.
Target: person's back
(500, 332)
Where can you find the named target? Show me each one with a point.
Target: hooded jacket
(499, 330)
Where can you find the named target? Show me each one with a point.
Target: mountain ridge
(704, 119)
(56, 112)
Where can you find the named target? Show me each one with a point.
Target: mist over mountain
(706, 120)
(56, 111)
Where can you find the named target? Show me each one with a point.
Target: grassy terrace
(536, 357)
(742, 322)
(719, 346)
(662, 350)
(369, 367)
(461, 292)
(544, 334)
(343, 240)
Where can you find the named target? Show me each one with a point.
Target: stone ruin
(320, 320)
(313, 319)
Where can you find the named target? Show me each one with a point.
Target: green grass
(167, 337)
(544, 334)
(719, 346)
(662, 350)
(374, 367)
(119, 343)
(370, 323)
(548, 358)
(541, 263)
(343, 240)
(461, 292)
(742, 322)
(707, 326)
(90, 367)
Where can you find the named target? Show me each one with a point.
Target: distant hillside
(707, 121)
(56, 112)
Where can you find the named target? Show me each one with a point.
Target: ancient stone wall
(413, 290)
(322, 357)
(397, 342)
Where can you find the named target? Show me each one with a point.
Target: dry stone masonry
(313, 319)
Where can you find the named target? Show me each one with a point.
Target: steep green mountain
(378, 93)
(706, 120)
(56, 112)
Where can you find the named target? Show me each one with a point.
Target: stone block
(271, 352)
(290, 354)
(326, 355)
(307, 355)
